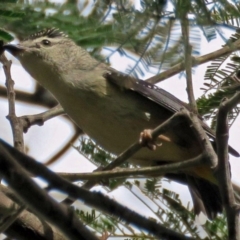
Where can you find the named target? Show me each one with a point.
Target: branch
(27, 225)
(203, 139)
(39, 119)
(56, 157)
(231, 47)
(137, 172)
(38, 200)
(33, 98)
(14, 120)
(223, 173)
(20, 124)
(188, 63)
(34, 197)
(23, 123)
(17, 130)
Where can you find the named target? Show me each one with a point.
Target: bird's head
(50, 45)
(49, 55)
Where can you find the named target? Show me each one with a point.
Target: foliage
(153, 36)
(221, 81)
(217, 229)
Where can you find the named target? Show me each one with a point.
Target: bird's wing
(146, 89)
(155, 94)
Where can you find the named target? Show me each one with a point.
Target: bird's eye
(46, 42)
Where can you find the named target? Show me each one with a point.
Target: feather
(157, 95)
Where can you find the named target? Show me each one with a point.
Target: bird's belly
(111, 130)
(115, 125)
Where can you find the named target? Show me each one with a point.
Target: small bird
(113, 109)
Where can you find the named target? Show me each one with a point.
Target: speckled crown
(50, 33)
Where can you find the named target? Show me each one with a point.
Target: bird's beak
(15, 50)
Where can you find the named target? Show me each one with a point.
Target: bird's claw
(147, 140)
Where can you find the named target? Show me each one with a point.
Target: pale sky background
(42, 141)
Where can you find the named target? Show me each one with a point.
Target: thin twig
(194, 119)
(17, 130)
(69, 144)
(14, 120)
(188, 63)
(203, 140)
(223, 171)
(39, 119)
(136, 172)
(231, 47)
(34, 98)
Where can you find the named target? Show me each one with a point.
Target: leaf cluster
(221, 81)
(149, 37)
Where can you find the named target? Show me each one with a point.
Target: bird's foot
(147, 140)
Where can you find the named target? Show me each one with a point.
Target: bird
(113, 108)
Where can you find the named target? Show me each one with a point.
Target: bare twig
(203, 139)
(14, 120)
(39, 119)
(223, 172)
(188, 63)
(137, 172)
(33, 98)
(231, 47)
(193, 118)
(56, 157)
(17, 130)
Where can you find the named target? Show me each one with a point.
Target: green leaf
(9, 1)
(10, 14)
(5, 35)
